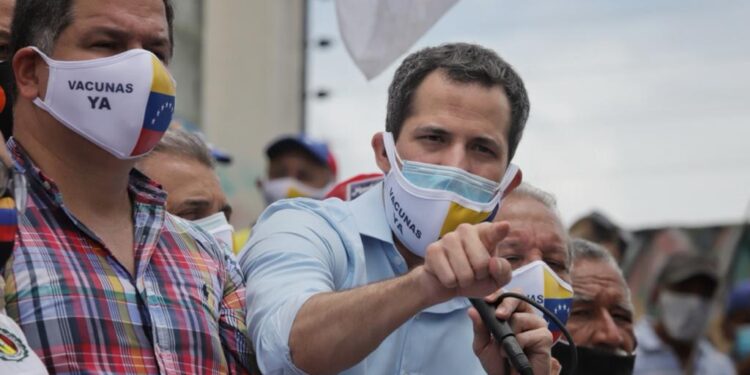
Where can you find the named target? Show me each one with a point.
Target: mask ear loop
(390, 151)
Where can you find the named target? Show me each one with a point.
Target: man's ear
(514, 184)
(381, 157)
(30, 72)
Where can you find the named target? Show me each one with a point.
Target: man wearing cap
(183, 164)
(379, 284)
(298, 166)
(736, 325)
(673, 342)
(598, 228)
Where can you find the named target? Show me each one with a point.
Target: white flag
(377, 32)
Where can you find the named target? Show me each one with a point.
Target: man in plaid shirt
(103, 279)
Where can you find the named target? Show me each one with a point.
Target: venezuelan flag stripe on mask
(557, 300)
(8, 227)
(159, 108)
(458, 214)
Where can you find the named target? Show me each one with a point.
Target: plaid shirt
(181, 313)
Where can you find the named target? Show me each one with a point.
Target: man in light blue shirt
(378, 285)
(674, 342)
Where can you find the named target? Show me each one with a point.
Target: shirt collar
(369, 214)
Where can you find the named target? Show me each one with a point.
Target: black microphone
(504, 335)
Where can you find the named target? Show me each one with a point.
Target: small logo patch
(11, 347)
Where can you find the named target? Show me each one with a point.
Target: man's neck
(90, 179)
(412, 260)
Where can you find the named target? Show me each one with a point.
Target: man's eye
(104, 44)
(4, 52)
(625, 318)
(483, 150)
(188, 215)
(580, 313)
(160, 55)
(512, 259)
(432, 138)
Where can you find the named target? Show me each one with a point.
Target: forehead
(523, 211)
(6, 13)
(599, 280)
(471, 101)
(180, 174)
(145, 19)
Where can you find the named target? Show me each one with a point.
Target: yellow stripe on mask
(7, 203)
(553, 289)
(294, 193)
(458, 215)
(162, 83)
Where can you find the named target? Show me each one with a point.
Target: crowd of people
(117, 255)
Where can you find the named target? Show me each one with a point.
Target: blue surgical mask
(457, 180)
(741, 348)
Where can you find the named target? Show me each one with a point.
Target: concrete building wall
(252, 60)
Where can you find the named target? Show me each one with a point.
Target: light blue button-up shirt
(655, 357)
(302, 247)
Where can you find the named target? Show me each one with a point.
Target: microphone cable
(504, 335)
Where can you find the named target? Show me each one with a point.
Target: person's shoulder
(188, 235)
(288, 214)
(331, 208)
(716, 360)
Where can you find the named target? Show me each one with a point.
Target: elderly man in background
(183, 165)
(601, 318)
(674, 342)
(103, 279)
(536, 230)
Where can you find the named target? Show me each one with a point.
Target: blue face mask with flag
(439, 177)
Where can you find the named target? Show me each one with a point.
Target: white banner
(377, 32)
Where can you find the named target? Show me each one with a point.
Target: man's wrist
(429, 289)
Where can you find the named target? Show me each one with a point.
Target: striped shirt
(182, 312)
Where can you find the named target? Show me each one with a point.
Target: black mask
(6, 98)
(593, 361)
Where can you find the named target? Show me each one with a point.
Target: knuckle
(465, 279)
(464, 228)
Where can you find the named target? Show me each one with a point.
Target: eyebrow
(432, 129)
(577, 297)
(117, 33)
(195, 203)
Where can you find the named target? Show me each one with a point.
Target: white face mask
(218, 226)
(288, 187)
(121, 103)
(683, 315)
(541, 284)
(420, 212)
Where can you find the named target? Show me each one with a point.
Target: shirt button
(46, 185)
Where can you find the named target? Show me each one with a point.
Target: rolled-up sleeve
(292, 255)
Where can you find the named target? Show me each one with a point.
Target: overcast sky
(639, 109)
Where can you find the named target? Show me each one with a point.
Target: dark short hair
(463, 63)
(39, 23)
